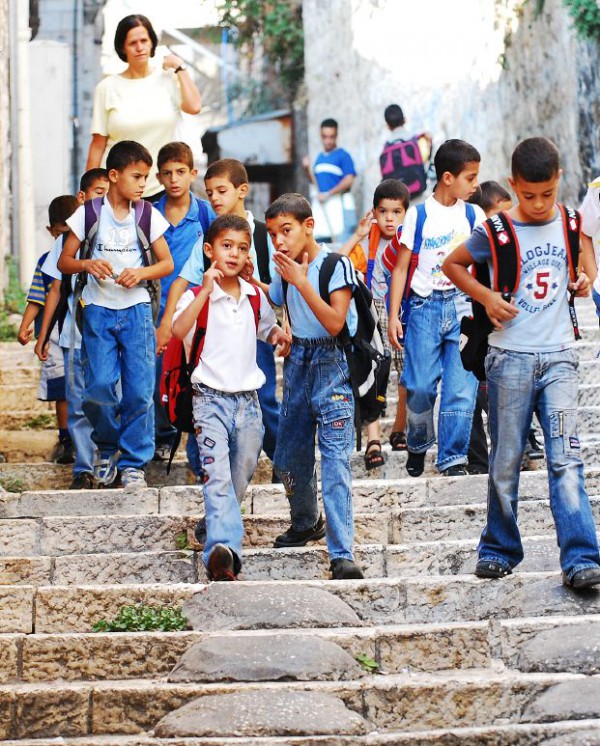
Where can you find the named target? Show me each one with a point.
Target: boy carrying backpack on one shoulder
(530, 366)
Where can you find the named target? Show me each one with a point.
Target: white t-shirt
(117, 243)
(142, 109)
(228, 360)
(50, 267)
(590, 222)
(445, 228)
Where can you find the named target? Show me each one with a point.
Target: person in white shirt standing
(227, 414)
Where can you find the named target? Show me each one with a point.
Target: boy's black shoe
(200, 531)
(456, 470)
(82, 481)
(293, 538)
(491, 569)
(477, 469)
(63, 452)
(345, 569)
(534, 449)
(586, 578)
(220, 564)
(415, 463)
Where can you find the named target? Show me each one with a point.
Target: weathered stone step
(439, 599)
(410, 702)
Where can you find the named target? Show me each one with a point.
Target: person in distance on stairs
(530, 366)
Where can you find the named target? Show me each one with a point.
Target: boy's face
(57, 229)
(223, 196)
(536, 198)
(290, 236)
(131, 181)
(230, 251)
(328, 138)
(465, 184)
(500, 205)
(97, 188)
(389, 214)
(176, 177)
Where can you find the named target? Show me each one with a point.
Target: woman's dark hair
(125, 26)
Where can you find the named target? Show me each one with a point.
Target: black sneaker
(586, 578)
(476, 469)
(534, 449)
(456, 470)
(63, 452)
(293, 538)
(200, 531)
(82, 481)
(220, 564)
(415, 464)
(491, 569)
(345, 569)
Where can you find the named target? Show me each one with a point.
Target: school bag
(414, 259)
(142, 216)
(365, 263)
(261, 246)
(175, 386)
(506, 259)
(403, 160)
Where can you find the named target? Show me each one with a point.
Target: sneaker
(415, 464)
(534, 449)
(133, 478)
(586, 578)
(82, 481)
(491, 569)
(63, 452)
(200, 531)
(105, 468)
(220, 564)
(456, 470)
(345, 569)
(476, 469)
(293, 538)
(162, 452)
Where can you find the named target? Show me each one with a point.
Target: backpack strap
(470, 212)
(374, 239)
(261, 247)
(142, 211)
(255, 301)
(325, 274)
(506, 254)
(571, 221)
(203, 216)
(417, 243)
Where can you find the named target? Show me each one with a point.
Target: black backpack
(506, 257)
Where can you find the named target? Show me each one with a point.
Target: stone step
(436, 599)
(406, 701)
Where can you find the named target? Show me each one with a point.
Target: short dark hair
(290, 204)
(491, 194)
(89, 177)
(228, 168)
(329, 122)
(226, 223)
(535, 159)
(394, 116)
(175, 151)
(391, 189)
(126, 152)
(61, 208)
(124, 27)
(453, 156)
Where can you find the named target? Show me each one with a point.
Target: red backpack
(176, 390)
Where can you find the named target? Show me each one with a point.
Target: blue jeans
(518, 384)
(78, 424)
(317, 397)
(431, 354)
(229, 433)
(120, 344)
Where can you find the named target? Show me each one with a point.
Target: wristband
(179, 69)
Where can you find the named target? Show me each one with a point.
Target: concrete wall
(5, 151)
(482, 70)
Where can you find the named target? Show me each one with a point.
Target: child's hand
(395, 333)
(499, 310)
(24, 334)
(163, 335)
(581, 288)
(98, 268)
(248, 272)
(41, 351)
(129, 278)
(211, 276)
(282, 340)
(364, 227)
(290, 271)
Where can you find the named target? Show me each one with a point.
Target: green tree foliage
(585, 14)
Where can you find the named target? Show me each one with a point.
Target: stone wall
(483, 70)
(5, 153)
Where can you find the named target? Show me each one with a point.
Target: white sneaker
(105, 468)
(133, 478)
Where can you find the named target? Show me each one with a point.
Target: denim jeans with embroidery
(120, 344)
(431, 354)
(317, 397)
(518, 384)
(229, 432)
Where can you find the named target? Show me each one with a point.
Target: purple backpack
(402, 159)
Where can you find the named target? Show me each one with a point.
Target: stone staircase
(446, 658)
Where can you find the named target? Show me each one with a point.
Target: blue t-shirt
(183, 238)
(330, 168)
(305, 324)
(543, 323)
(38, 291)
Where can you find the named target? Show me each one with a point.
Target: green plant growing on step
(12, 484)
(42, 421)
(142, 618)
(370, 665)
(14, 302)
(181, 540)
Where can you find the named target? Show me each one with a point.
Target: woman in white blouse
(143, 102)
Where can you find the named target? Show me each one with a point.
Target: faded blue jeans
(120, 344)
(317, 398)
(79, 426)
(229, 432)
(431, 353)
(518, 384)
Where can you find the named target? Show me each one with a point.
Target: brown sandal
(374, 459)
(398, 440)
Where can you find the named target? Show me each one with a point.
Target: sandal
(374, 458)
(398, 440)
